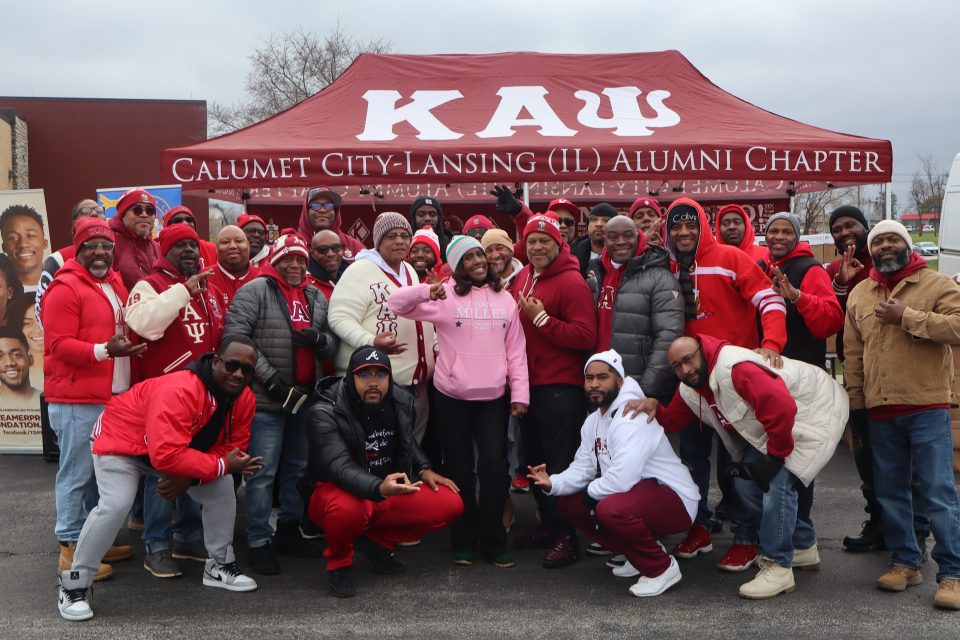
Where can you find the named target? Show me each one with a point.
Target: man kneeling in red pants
(626, 487)
(362, 456)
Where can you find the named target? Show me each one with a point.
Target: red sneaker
(740, 557)
(698, 541)
(520, 484)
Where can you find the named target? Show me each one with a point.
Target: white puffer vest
(822, 410)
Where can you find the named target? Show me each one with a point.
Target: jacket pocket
(479, 375)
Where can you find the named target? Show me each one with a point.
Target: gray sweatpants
(117, 480)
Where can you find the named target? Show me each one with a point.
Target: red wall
(77, 145)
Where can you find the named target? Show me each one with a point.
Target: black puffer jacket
(258, 311)
(336, 443)
(581, 250)
(647, 317)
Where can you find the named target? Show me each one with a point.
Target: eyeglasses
(685, 361)
(397, 235)
(187, 219)
(232, 365)
(567, 222)
(325, 249)
(93, 246)
(322, 206)
(139, 209)
(251, 230)
(91, 210)
(366, 374)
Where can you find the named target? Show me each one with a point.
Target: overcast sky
(876, 68)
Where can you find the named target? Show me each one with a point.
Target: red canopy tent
(529, 117)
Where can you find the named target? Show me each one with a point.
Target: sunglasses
(92, 210)
(93, 246)
(187, 219)
(140, 208)
(322, 206)
(232, 365)
(325, 249)
(567, 222)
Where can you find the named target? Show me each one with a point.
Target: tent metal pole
(888, 205)
(526, 195)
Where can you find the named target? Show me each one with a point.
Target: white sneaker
(649, 587)
(73, 598)
(807, 559)
(771, 581)
(625, 571)
(226, 576)
(595, 549)
(616, 561)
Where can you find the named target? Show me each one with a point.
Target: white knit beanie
(611, 358)
(890, 226)
(458, 247)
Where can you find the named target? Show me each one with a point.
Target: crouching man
(190, 428)
(362, 458)
(781, 427)
(626, 487)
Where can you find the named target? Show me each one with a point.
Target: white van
(950, 223)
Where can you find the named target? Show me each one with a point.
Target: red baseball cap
(246, 218)
(478, 222)
(563, 203)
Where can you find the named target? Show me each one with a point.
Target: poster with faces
(24, 245)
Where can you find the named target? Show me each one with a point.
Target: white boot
(807, 559)
(73, 598)
(770, 582)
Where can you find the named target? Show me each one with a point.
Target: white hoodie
(630, 450)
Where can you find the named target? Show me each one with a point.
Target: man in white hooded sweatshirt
(626, 487)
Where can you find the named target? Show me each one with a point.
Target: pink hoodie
(482, 348)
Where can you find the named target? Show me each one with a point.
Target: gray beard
(892, 266)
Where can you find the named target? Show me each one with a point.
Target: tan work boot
(118, 552)
(948, 594)
(770, 582)
(66, 562)
(806, 559)
(898, 578)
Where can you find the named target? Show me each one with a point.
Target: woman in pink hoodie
(481, 376)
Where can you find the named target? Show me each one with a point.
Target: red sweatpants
(345, 517)
(630, 523)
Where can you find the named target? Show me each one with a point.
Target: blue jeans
(76, 487)
(917, 448)
(277, 437)
(158, 530)
(783, 513)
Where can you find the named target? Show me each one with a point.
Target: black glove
(506, 201)
(277, 389)
(764, 470)
(590, 503)
(309, 337)
(858, 422)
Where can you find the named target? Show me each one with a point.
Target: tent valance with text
(525, 117)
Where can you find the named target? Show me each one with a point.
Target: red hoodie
(765, 392)
(607, 296)
(557, 350)
(133, 256)
(817, 304)
(298, 310)
(748, 245)
(730, 289)
(351, 246)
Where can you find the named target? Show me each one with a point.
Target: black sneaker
(383, 560)
(262, 560)
(310, 531)
(870, 538)
(341, 583)
(288, 542)
(564, 552)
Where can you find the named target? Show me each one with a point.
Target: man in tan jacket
(900, 324)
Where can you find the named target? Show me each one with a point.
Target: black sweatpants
(463, 424)
(550, 433)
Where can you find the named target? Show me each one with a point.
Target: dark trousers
(550, 433)
(463, 425)
(696, 444)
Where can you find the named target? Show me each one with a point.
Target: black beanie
(603, 210)
(422, 200)
(682, 212)
(848, 211)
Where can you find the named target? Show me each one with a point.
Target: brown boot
(66, 562)
(118, 552)
(948, 594)
(898, 578)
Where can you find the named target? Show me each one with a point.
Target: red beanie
(478, 222)
(88, 228)
(428, 237)
(543, 224)
(132, 197)
(644, 202)
(175, 233)
(246, 218)
(174, 211)
(287, 244)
